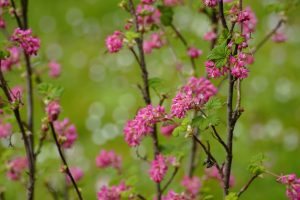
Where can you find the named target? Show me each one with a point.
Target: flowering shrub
(192, 113)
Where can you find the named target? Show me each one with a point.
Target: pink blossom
(66, 132)
(155, 42)
(108, 159)
(213, 173)
(167, 130)
(210, 36)
(54, 69)
(239, 63)
(193, 95)
(142, 124)
(279, 37)
(2, 23)
(158, 168)
(25, 39)
(192, 185)
(114, 42)
(175, 196)
(53, 110)
(239, 72)
(15, 168)
(16, 93)
(147, 15)
(4, 3)
(210, 3)
(112, 193)
(292, 186)
(12, 60)
(77, 174)
(213, 71)
(194, 52)
(5, 129)
(248, 19)
(171, 3)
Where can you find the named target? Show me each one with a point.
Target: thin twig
(19, 22)
(62, 157)
(170, 180)
(247, 185)
(141, 197)
(221, 14)
(268, 36)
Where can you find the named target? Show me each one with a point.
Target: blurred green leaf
(166, 15)
(256, 165)
(232, 196)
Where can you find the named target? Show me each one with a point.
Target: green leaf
(204, 122)
(256, 165)
(219, 55)
(178, 130)
(49, 91)
(232, 196)
(130, 35)
(156, 83)
(4, 54)
(239, 40)
(167, 14)
(213, 103)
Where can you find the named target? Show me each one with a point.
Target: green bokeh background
(101, 94)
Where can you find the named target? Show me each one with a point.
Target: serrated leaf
(219, 54)
(204, 122)
(156, 83)
(256, 165)
(178, 130)
(213, 103)
(49, 91)
(167, 14)
(130, 35)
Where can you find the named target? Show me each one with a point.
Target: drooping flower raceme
(148, 15)
(142, 124)
(53, 110)
(193, 95)
(248, 20)
(25, 39)
(108, 159)
(191, 184)
(54, 69)
(113, 192)
(158, 168)
(66, 132)
(292, 186)
(155, 42)
(114, 42)
(15, 168)
(213, 71)
(77, 174)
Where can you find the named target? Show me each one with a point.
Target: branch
(63, 159)
(268, 36)
(247, 185)
(221, 14)
(19, 22)
(170, 180)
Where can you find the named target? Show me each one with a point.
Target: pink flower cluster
(158, 168)
(210, 3)
(192, 185)
(4, 3)
(12, 60)
(15, 168)
(108, 159)
(54, 69)
(148, 15)
(53, 110)
(5, 129)
(292, 186)
(193, 95)
(279, 37)
(77, 174)
(142, 124)
(239, 63)
(16, 93)
(155, 42)
(114, 42)
(213, 173)
(66, 132)
(248, 19)
(175, 196)
(213, 71)
(194, 52)
(112, 193)
(25, 39)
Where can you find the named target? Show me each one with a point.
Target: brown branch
(19, 22)
(247, 185)
(62, 157)
(170, 180)
(221, 14)
(141, 197)
(268, 36)
(28, 149)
